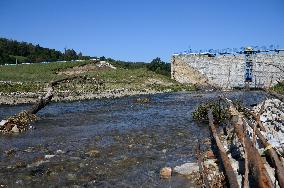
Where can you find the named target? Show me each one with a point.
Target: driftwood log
(20, 122)
(246, 175)
(247, 111)
(44, 100)
(229, 171)
(272, 154)
(202, 172)
(255, 162)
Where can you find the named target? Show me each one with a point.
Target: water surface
(107, 142)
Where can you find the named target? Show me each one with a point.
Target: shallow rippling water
(108, 142)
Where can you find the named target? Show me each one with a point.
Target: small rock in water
(15, 129)
(37, 159)
(21, 164)
(210, 162)
(8, 126)
(59, 151)
(48, 156)
(166, 172)
(10, 152)
(187, 168)
(93, 153)
(71, 176)
(3, 122)
(19, 182)
(210, 155)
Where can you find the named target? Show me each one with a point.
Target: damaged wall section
(227, 71)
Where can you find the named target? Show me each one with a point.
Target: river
(108, 142)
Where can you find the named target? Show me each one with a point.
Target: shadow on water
(108, 142)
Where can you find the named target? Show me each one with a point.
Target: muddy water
(107, 143)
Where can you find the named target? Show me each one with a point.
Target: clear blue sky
(140, 30)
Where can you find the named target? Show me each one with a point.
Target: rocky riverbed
(17, 98)
(272, 118)
(119, 142)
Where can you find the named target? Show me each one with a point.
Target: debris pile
(250, 145)
(18, 123)
(214, 176)
(272, 119)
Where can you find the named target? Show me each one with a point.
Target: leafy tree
(9, 49)
(160, 67)
(103, 58)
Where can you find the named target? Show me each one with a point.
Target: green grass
(279, 87)
(126, 75)
(20, 87)
(34, 77)
(35, 72)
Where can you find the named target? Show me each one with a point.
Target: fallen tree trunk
(201, 167)
(246, 175)
(255, 163)
(255, 116)
(229, 172)
(258, 122)
(20, 122)
(44, 100)
(272, 154)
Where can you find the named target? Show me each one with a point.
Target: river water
(108, 142)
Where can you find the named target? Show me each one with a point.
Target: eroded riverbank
(108, 142)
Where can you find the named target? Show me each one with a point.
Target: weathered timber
(255, 163)
(15, 121)
(255, 116)
(229, 172)
(258, 122)
(201, 167)
(246, 175)
(44, 100)
(272, 154)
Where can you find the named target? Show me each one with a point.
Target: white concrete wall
(228, 71)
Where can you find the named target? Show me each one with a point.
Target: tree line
(156, 65)
(24, 52)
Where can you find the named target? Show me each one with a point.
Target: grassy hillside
(35, 72)
(34, 77)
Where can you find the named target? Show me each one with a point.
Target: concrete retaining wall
(227, 71)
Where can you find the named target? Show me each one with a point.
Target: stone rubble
(272, 119)
(166, 172)
(186, 168)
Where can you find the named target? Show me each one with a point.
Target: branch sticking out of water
(21, 121)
